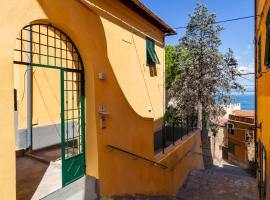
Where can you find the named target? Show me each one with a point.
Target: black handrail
(137, 156)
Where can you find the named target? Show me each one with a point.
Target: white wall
(231, 108)
(43, 136)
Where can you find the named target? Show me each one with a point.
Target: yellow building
(87, 77)
(262, 95)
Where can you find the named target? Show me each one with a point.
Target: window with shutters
(151, 55)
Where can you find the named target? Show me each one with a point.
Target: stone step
(82, 189)
(216, 185)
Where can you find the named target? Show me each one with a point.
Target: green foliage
(171, 71)
(171, 117)
(199, 76)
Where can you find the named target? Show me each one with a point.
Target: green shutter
(148, 58)
(151, 54)
(157, 60)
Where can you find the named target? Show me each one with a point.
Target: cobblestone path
(227, 183)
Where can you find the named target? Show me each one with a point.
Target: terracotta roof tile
(244, 113)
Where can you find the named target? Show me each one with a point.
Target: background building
(219, 141)
(240, 134)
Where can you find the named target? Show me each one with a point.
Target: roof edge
(149, 15)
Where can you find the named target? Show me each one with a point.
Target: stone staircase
(226, 183)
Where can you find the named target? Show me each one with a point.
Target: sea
(247, 101)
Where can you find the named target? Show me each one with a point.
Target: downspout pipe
(29, 91)
(256, 83)
(255, 64)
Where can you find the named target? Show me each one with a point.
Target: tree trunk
(199, 124)
(206, 144)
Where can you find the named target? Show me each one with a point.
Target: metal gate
(42, 45)
(72, 126)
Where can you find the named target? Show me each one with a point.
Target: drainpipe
(255, 79)
(255, 64)
(164, 81)
(29, 91)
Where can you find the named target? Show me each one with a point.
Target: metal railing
(136, 156)
(170, 134)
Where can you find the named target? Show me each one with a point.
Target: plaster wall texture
(263, 92)
(111, 39)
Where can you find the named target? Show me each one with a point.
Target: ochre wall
(106, 44)
(239, 139)
(263, 91)
(126, 31)
(127, 175)
(46, 96)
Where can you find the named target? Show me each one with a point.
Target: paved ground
(50, 182)
(31, 174)
(227, 183)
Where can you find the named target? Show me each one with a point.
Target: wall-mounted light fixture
(102, 76)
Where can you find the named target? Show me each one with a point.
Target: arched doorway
(42, 46)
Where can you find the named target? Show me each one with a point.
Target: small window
(259, 56)
(267, 44)
(151, 55)
(231, 129)
(231, 147)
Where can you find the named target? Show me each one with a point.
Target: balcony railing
(170, 134)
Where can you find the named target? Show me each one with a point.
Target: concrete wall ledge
(174, 147)
(82, 189)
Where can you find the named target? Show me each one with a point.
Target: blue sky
(238, 35)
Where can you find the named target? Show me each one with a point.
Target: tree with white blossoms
(206, 78)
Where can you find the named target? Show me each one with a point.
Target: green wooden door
(72, 125)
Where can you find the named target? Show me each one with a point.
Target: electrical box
(102, 122)
(103, 114)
